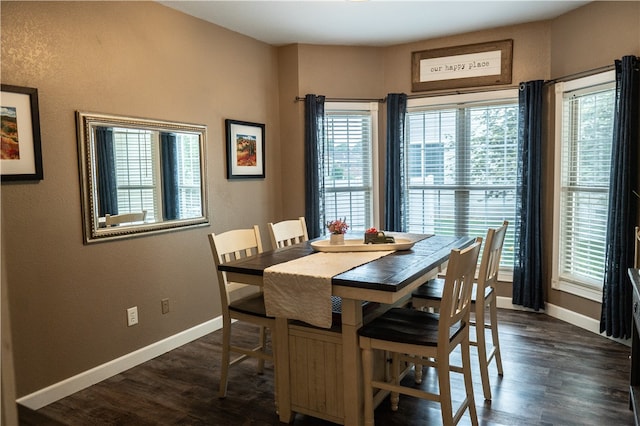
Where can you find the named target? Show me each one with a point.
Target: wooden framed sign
(482, 64)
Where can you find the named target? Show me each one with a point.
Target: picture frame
(245, 150)
(21, 155)
(472, 65)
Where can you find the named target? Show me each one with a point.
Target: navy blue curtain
(170, 191)
(527, 274)
(394, 188)
(617, 293)
(313, 142)
(106, 179)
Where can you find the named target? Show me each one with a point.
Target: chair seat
(252, 305)
(408, 326)
(432, 290)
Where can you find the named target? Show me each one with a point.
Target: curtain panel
(107, 185)
(394, 179)
(527, 273)
(313, 161)
(616, 315)
(170, 178)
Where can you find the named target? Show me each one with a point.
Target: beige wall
(530, 62)
(332, 71)
(67, 299)
(530, 54)
(590, 37)
(292, 125)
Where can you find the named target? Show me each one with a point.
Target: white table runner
(301, 289)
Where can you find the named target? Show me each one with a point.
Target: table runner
(301, 289)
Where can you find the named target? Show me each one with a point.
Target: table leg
(353, 389)
(281, 349)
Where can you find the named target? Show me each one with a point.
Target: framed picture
(245, 149)
(471, 65)
(21, 157)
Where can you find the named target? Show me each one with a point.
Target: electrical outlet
(165, 306)
(132, 316)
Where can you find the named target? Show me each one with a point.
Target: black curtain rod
(419, 95)
(475, 90)
(580, 74)
(301, 98)
(460, 92)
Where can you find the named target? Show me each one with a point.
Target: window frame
(123, 190)
(372, 109)
(583, 289)
(477, 98)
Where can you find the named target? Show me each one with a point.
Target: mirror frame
(85, 123)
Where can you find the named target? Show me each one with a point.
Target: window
(137, 172)
(190, 196)
(349, 153)
(138, 176)
(461, 165)
(584, 134)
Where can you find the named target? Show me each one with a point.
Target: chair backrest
(490, 261)
(636, 259)
(288, 232)
(458, 284)
(117, 219)
(232, 245)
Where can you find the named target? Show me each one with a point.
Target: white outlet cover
(132, 316)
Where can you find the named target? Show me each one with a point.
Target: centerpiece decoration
(373, 236)
(337, 228)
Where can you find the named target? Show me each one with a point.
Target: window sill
(580, 290)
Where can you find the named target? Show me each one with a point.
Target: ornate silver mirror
(140, 175)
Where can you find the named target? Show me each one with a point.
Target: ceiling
(366, 23)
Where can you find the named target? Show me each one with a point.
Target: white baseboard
(102, 372)
(582, 321)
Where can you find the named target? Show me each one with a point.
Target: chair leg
(367, 377)
(493, 312)
(468, 384)
(395, 379)
(263, 344)
(482, 351)
(418, 373)
(274, 342)
(224, 367)
(444, 386)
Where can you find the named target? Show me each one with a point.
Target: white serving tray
(359, 245)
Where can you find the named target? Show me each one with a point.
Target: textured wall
(68, 300)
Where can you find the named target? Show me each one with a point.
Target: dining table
(314, 366)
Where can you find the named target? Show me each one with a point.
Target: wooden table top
(389, 273)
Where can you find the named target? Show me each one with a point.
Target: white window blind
(585, 137)
(137, 172)
(461, 167)
(348, 155)
(189, 179)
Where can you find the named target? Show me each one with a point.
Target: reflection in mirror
(140, 175)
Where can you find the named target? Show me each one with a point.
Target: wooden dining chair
(411, 334)
(239, 301)
(483, 296)
(288, 232)
(118, 219)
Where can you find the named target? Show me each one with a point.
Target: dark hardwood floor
(554, 374)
